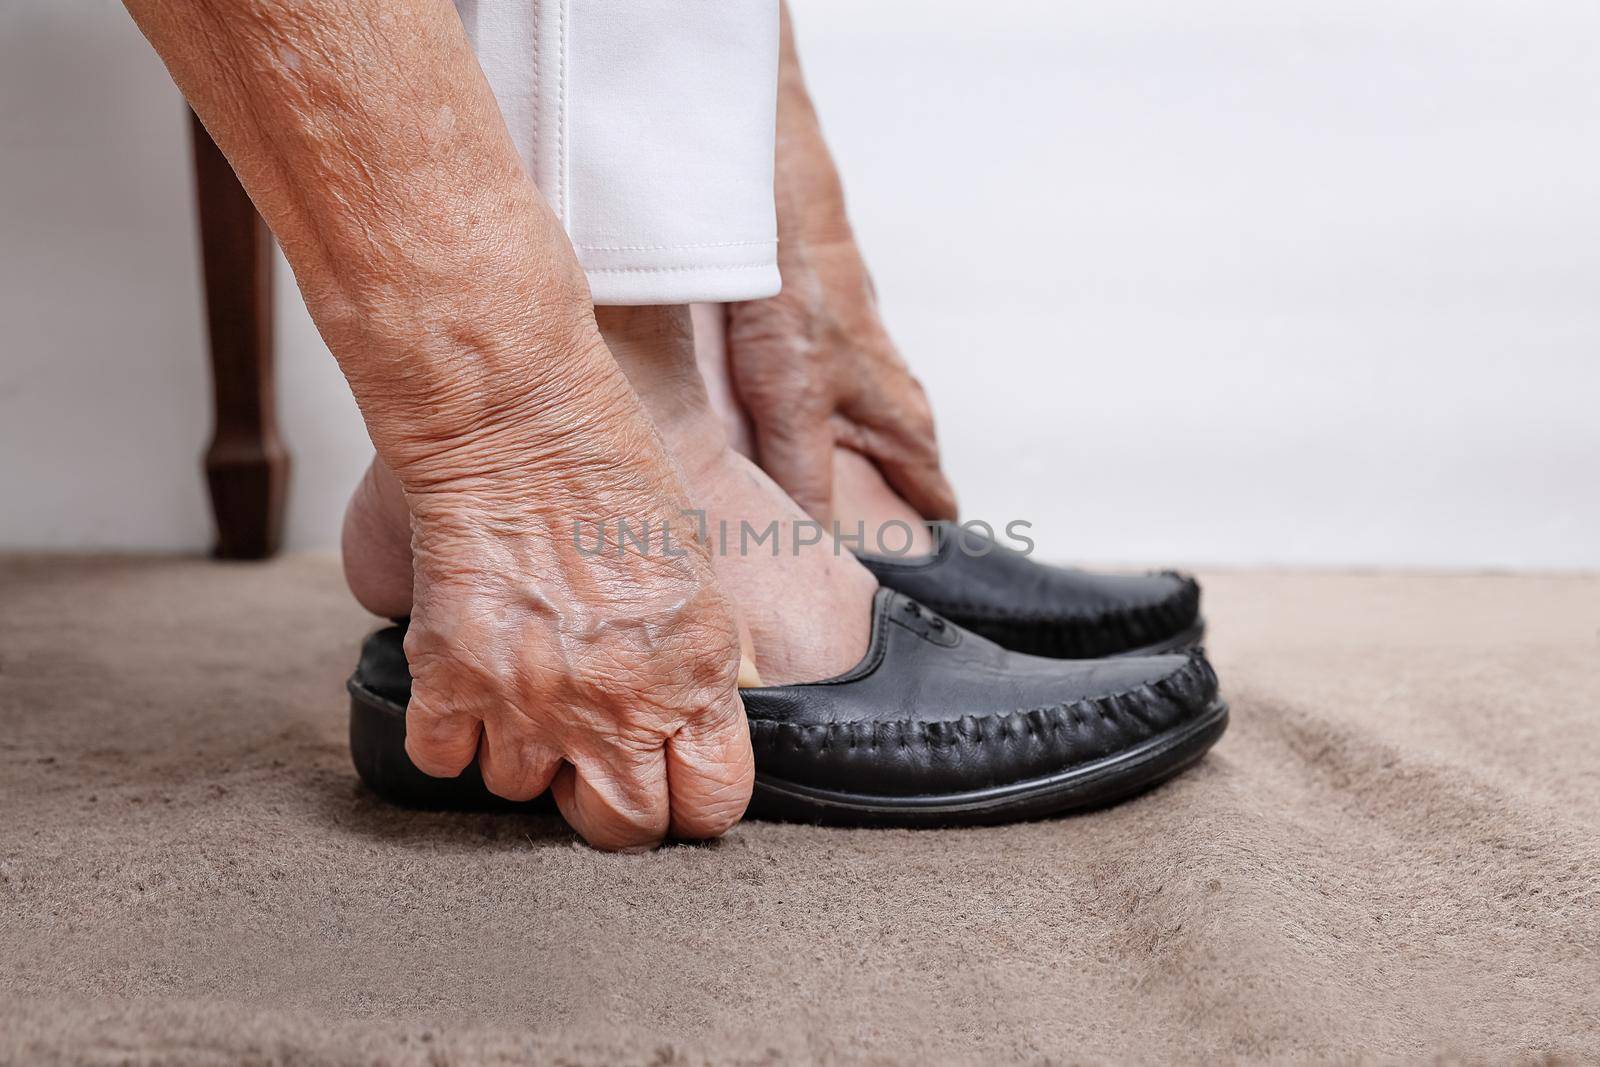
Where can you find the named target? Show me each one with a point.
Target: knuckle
(639, 819)
(715, 811)
(515, 788)
(497, 781)
(722, 713)
(918, 442)
(509, 773)
(609, 841)
(713, 823)
(451, 658)
(434, 756)
(919, 412)
(625, 825)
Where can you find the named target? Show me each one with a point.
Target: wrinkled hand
(815, 368)
(608, 678)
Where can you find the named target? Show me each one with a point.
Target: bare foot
(807, 602)
(711, 354)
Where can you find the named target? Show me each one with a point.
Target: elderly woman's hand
(552, 649)
(813, 366)
(449, 294)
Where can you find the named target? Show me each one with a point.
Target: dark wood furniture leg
(247, 467)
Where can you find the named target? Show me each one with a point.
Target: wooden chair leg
(247, 467)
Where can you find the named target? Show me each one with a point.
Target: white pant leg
(649, 126)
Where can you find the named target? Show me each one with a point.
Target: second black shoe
(935, 726)
(1033, 607)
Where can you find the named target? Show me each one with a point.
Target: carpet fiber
(1393, 854)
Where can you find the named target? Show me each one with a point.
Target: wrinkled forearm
(810, 196)
(442, 283)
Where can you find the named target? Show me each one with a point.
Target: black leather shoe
(935, 727)
(1042, 610)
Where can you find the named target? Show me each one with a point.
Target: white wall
(104, 394)
(1219, 281)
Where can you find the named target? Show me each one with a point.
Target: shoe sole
(1092, 785)
(377, 747)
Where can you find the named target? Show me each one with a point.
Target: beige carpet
(1394, 854)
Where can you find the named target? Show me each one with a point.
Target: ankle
(655, 348)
